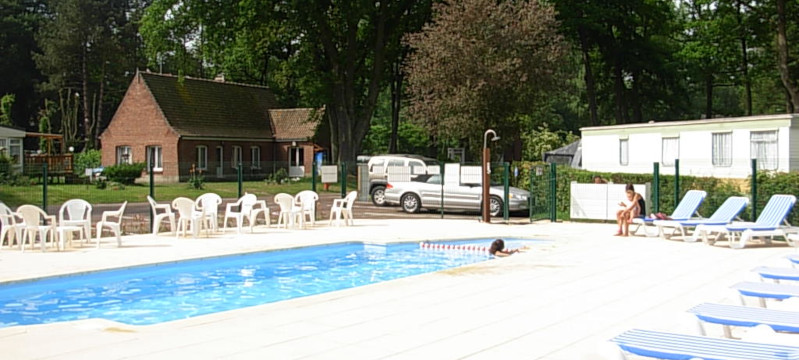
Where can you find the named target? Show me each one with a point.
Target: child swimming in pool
(498, 249)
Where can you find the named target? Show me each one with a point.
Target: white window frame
(255, 157)
(15, 150)
(201, 152)
(236, 156)
(722, 149)
(122, 151)
(624, 152)
(764, 146)
(296, 154)
(667, 156)
(155, 152)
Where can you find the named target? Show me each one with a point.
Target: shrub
(88, 159)
(196, 178)
(278, 177)
(124, 173)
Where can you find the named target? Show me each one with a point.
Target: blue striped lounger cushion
(735, 315)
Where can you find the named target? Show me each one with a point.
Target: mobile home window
(764, 149)
(154, 159)
(124, 155)
(671, 151)
(236, 159)
(202, 157)
(624, 151)
(255, 156)
(722, 149)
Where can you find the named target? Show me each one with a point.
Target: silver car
(425, 192)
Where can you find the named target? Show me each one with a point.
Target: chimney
(220, 77)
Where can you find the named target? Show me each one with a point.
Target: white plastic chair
(165, 214)
(113, 226)
(75, 213)
(342, 208)
(188, 217)
(305, 201)
(288, 213)
(37, 223)
(10, 226)
(208, 204)
(249, 207)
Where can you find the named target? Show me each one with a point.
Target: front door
(220, 156)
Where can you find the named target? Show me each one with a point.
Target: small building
(11, 145)
(182, 124)
(720, 147)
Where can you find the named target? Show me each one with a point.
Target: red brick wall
(187, 150)
(138, 123)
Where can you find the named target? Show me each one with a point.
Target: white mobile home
(720, 147)
(11, 144)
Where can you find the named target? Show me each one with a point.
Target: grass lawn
(14, 196)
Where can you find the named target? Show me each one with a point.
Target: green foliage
(6, 102)
(45, 127)
(542, 139)
(88, 159)
(125, 174)
(280, 176)
(196, 178)
(770, 183)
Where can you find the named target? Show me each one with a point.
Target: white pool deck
(557, 301)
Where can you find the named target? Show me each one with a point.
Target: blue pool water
(157, 293)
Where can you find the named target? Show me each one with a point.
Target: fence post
(656, 189)
(553, 198)
(754, 189)
(343, 179)
(239, 178)
(152, 195)
(44, 189)
(313, 175)
(530, 201)
(505, 178)
(676, 182)
(441, 204)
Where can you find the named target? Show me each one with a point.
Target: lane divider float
(432, 246)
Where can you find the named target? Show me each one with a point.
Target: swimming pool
(152, 294)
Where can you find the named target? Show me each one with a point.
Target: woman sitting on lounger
(634, 207)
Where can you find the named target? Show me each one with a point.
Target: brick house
(211, 125)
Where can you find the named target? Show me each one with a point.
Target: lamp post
(487, 175)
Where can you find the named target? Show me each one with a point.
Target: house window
(154, 159)
(202, 157)
(296, 156)
(236, 159)
(722, 149)
(3, 147)
(255, 156)
(764, 149)
(15, 150)
(124, 155)
(624, 152)
(671, 151)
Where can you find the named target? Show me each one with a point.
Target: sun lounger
(777, 273)
(771, 222)
(685, 210)
(725, 214)
(664, 345)
(794, 259)
(763, 290)
(746, 316)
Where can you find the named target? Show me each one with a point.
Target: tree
(481, 64)
(19, 20)
(6, 103)
(786, 62)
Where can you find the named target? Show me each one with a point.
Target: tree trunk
(618, 88)
(708, 96)
(87, 128)
(745, 63)
(396, 97)
(638, 114)
(782, 50)
(590, 85)
(98, 121)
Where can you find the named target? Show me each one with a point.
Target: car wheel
(379, 196)
(496, 206)
(410, 203)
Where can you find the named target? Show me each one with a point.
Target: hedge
(718, 189)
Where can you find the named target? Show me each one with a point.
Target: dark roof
(206, 108)
(570, 154)
(295, 124)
